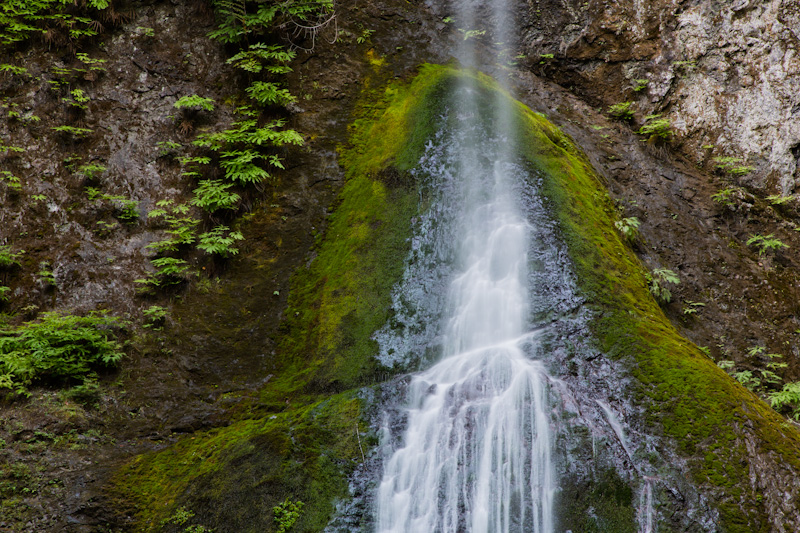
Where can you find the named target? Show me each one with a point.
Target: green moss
(304, 451)
(685, 393)
(604, 505)
(233, 476)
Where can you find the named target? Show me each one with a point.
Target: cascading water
(476, 451)
(475, 455)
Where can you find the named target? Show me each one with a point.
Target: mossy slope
(298, 441)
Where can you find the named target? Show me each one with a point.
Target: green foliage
(657, 281)
(78, 99)
(621, 110)
(180, 226)
(11, 181)
(779, 199)
(218, 242)
(125, 208)
(213, 195)
(254, 58)
(8, 258)
(732, 165)
(20, 19)
(4, 296)
(194, 101)
(286, 514)
(656, 127)
(167, 148)
(46, 275)
(766, 243)
(364, 36)
(169, 271)
(267, 93)
(728, 197)
(787, 399)
(13, 70)
(693, 308)
(155, 316)
(57, 348)
(74, 131)
(628, 227)
(640, 84)
(238, 147)
(238, 19)
(91, 171)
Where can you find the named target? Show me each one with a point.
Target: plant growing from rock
(657, 281)
(732, 165)
(220, 241)
(640, 84)
(57, 349)
(621, 110)
(194, 102)
(286, 514)
(155, 315)
(656, 127)
(766, 243)
(787, 399)
(9, 258)
(213, 195)
(628, 227)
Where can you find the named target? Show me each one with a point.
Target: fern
(217, 242)
(57, 348)
(194, 101)
(213, 195)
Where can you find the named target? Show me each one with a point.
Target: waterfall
(475, 454)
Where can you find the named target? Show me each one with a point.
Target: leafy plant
(167, 148)
(628, 227)
(74, 131)
(286, 514)
(91, 171)
(180, 225)
(621, 110)
(4, 296)
(693, 308)
(365, 35)
(788, 397)
(155, 316)
(640, 84)
(46, 275)
(732, 165)
(8, 258)
(78, 99)
(656, 127)
(765, 243)
(657, 281)
(169, 271)
(728, 196)
(57, 348)
(11, 181)
(13, 70)
(213, 195)
(217, 242)
(779, 199)
(194, 101)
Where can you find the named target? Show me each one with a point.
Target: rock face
(725, 73)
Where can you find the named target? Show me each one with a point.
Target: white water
(475, 456)
(476, 453)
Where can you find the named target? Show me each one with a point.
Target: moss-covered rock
(300, 442)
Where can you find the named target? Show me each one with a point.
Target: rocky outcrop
(726, 74)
